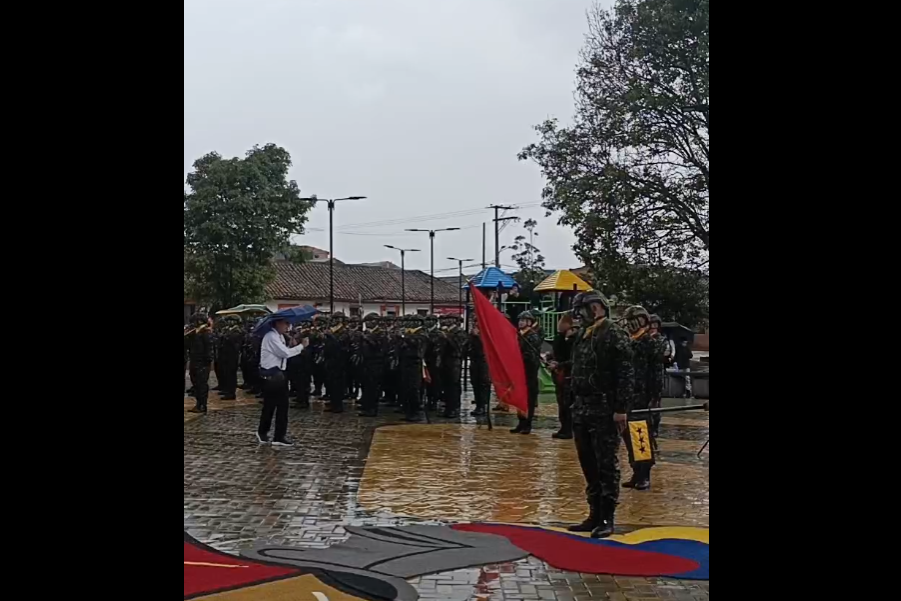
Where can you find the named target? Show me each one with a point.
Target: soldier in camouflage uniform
(391, 378)
(602, 381)
(658, 373)
(300, 368)
(434, 350)
(453, 346)
(411, 358)
(478, 372)
(530, 341)
(200, 351)
(637, 322)
(355, 365)
(337, 358)
(250, 359)
(374, 346)
(317, 354)
(230, 339)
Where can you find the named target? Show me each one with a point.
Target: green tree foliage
(631, 174)
(528, 258)
(238, 213)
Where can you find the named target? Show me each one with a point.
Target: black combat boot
(479, 412)
(591, 523)
(519, 428)
(642, 478)
(606, 527)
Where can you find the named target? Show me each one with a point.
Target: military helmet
(656, 322)
(633, 318)
(584, 299)
(527, 315)
(372, 317)
(430, 320)
(199, 319)
(338, 317)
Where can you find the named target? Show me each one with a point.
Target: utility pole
(484, 245)
(497, 230)
(461, 261)
(431, 234)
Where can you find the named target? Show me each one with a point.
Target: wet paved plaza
(348, 471)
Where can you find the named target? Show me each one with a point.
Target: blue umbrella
(293, 315)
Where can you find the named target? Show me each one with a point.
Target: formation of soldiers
(411, 363)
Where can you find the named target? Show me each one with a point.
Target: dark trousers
(434, 388)
(410, 391)
(532, 384)
(390, 386)
(318, 378)
(372, 390)
(481, 385)
(275, 402)
(597, 443)
(563, 408)
(200, 381)
(300, 383)
(453, 390)
(337, 391)
(228, 377)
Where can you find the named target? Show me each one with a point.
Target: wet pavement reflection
(351, 471)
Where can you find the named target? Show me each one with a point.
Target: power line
(424, 218)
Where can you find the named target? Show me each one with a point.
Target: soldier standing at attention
(452, 348)
(391, 382)
(200, 353)
(561, 365)
(336, 361)
(317, 349)
(411, 356)
(374, 347)
(478, 372)
(638, 321)
(602, 383)
(530, 342)
(230, 339)
(434, 344)
(658, 368)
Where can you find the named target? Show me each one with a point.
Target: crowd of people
(410, 363)
(602, 371)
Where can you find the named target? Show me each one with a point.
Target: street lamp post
(331, 242)
(403, 276)
(461, 261)
(432, 240)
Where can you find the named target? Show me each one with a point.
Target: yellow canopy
(563, 281)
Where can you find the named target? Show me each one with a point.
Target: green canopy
(245, 309)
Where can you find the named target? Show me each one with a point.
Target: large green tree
(631, 174)
(238, 213)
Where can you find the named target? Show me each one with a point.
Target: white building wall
(412, 308)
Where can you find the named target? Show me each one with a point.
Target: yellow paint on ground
(302, 588)
(463, 473)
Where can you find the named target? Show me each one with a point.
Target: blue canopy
(491, 279)
(292, 315)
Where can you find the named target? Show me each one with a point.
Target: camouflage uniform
(200, 351)
(530, 341)
(637, 320)
(374, 345)
(478, 374)
(391, 376)
(229, 342)
(451, 372)
(411, 354)
(434, 354)
(658, 373)
(337, 358)
(317, 353)
(602, 384)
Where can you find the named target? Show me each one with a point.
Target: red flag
(501, 342)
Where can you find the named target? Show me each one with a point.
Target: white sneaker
(283, 444)
(262, 440)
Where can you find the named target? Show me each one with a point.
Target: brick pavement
(237, 494)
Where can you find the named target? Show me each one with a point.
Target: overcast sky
(421, 105)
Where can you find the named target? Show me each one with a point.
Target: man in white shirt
(274, 355)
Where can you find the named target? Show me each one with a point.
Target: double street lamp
(331, 242)
(461, 261)
(432, 239)
(403, 274)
